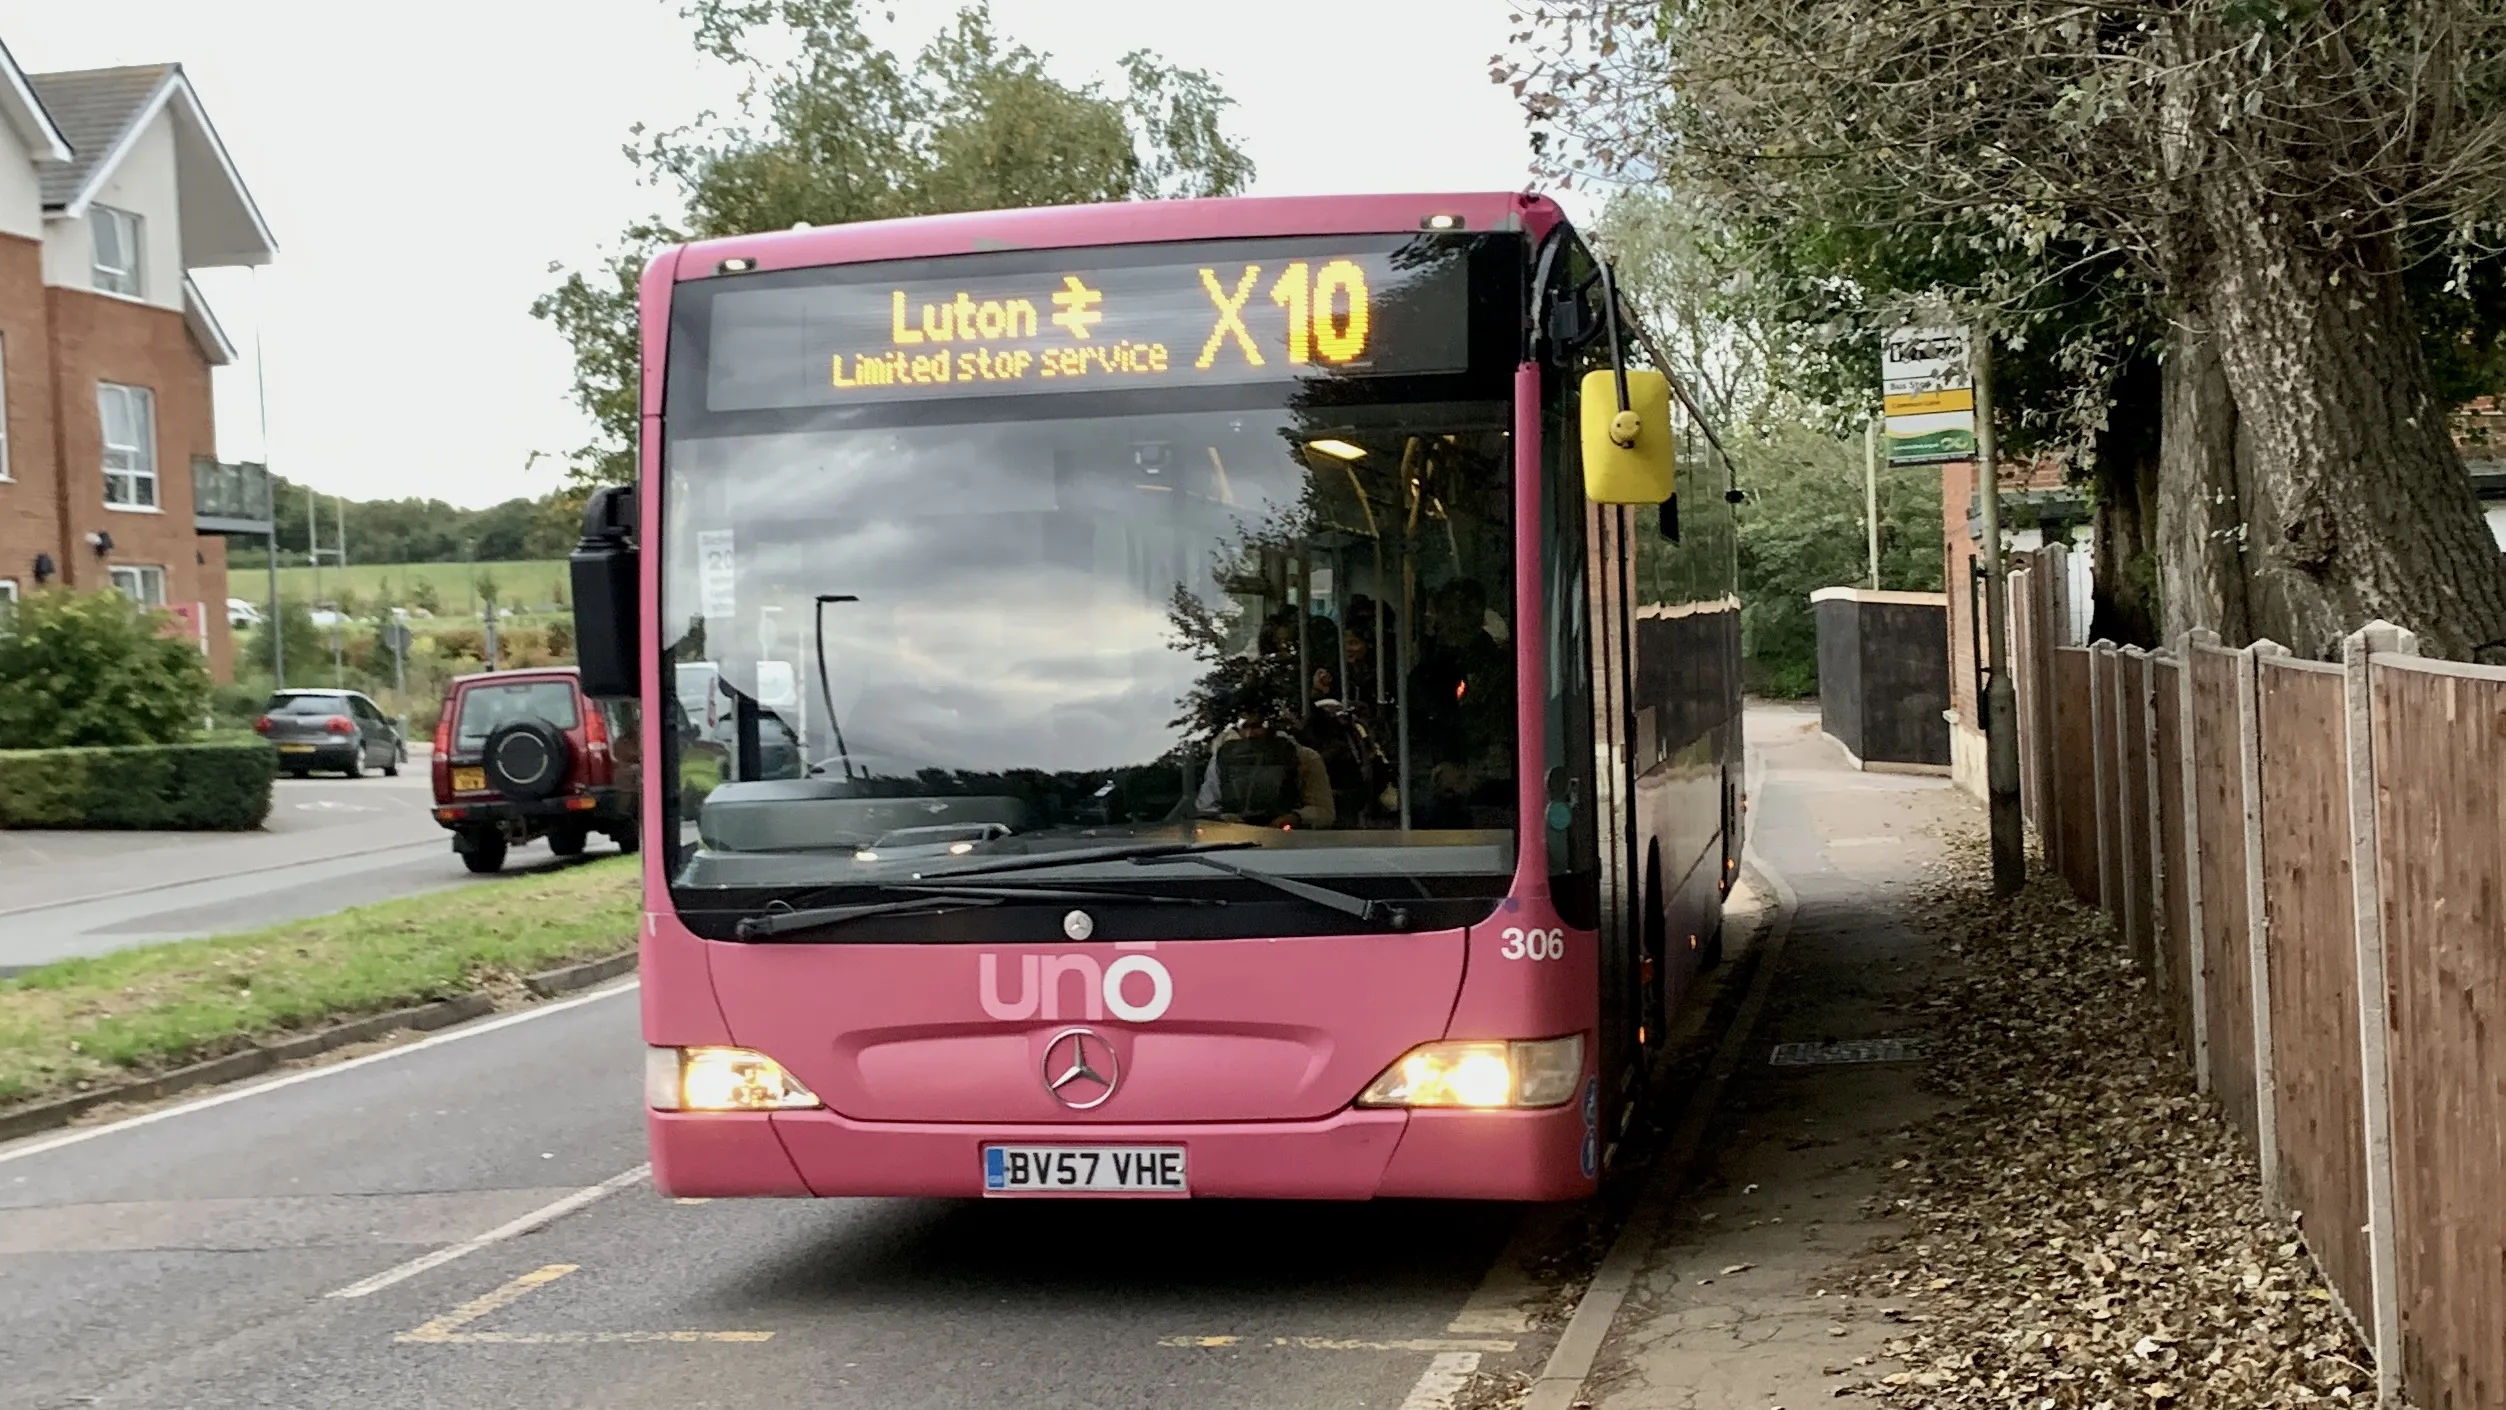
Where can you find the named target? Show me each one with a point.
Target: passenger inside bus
(1461, 693)
(1261, 773)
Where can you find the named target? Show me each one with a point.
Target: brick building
(113, 188)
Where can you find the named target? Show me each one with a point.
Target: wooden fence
(2309, 860)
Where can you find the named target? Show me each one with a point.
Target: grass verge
(80, 1024)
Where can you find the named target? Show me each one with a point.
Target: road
(467, 1221)
(330, 842)
(189, 1261)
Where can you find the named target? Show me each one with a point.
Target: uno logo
(1134, 988)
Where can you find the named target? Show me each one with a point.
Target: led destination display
(1190, 314)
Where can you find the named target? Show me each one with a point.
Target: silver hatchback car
(331, 729)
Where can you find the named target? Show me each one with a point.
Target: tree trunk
(2124, 465)
(2358, 506)
(2201, 502)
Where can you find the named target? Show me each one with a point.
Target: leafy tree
(843, 130)
(504, 531)
(94, 669)
(2260, 186)
(1802, 528)
(423, 595)
(422, 530)
(556, 525)
(307, 647)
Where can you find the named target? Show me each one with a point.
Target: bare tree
(2250, 180)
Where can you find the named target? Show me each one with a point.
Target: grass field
(538, 583)
(72, 1025)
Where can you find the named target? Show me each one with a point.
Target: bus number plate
(1056, 1170)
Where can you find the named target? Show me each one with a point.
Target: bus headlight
(720, 1079)
(1483, 1075)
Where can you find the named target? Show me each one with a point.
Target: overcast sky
(422, 165)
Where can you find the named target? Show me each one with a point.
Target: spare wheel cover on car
(527, 760)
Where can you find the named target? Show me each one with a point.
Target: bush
(237, 706)
(220, 784)
(308, 647)
(92, 669)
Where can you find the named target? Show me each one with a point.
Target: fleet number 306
(1521, 944)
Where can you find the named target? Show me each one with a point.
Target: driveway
(329, 843)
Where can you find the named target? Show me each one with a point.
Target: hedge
(221, 784)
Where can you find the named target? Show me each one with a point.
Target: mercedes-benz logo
(1080, 1068)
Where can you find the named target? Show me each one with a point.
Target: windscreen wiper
(936, 898)
(1391, 913)
(1129, 851)
(759, 927)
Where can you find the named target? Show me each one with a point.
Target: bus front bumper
(1427, 1154)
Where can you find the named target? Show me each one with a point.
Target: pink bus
(1215, 698)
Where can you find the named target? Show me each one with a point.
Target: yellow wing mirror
(1627, 444)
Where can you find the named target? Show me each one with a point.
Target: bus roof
(1119, 223)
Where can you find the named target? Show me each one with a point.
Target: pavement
(466, 1220)
(1737, 1300)
(329, 843)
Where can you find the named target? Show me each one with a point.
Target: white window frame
(130, 230)
(134, 580)
(132, 463)
(4, 424)
(8, 603)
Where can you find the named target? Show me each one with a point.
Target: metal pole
(339, 540)
(278, 638)
(1870, 493)
(261, 404)
(313, 541)
(2001, 700)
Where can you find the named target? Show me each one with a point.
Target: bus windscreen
(1268, 600)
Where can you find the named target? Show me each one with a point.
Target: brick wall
(30, 514)
(97, 338)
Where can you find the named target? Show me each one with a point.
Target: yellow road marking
(446, 1330)
(1434, 1344)
(442, 1328)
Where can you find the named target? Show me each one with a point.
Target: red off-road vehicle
(525, 754)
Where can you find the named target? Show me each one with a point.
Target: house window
(8, 603)
(143, 585)
(117, 250)
(129, 415)
(4, 420)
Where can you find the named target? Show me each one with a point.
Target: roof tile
(93, 108)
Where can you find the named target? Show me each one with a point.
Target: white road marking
(1444, 1379)
(236, 1094)
(541, 1217)
(1501, 1304)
